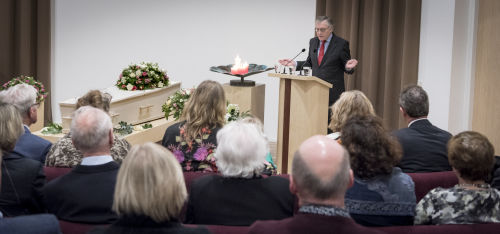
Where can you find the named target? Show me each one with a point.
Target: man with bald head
(85, 195)
(321, 175)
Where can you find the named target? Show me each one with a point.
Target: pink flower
(175, 105)
(124, 86)
(144, 73)
(121, 75)
(201, 153)
(134, 88)
(27, 81)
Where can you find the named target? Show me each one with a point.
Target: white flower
(142, 65)
(160, 84)
(138, 73)
(132, 75)
(129, 87)
(124, 80)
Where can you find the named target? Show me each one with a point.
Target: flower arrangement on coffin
(175, 103)
(233, 113)
(142, 76)
(41, 92)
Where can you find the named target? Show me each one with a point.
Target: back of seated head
(320, 171)
(373, 151)
(150, 183)
(471, 154)
(205, 108)
(349, 104)
(414, 101)
(91, 129)
(241, 150)
(11, 126)
(22, 96)
(96, 99)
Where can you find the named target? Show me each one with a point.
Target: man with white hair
(321, 175)
(240, 195)
(23, 97)
(85, 194)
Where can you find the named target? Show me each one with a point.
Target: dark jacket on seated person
(495, 177)
(312, 219)
(143, 224)
(22, 182)
(218, 200)
(424, 147)
(386, 200)
(84, 195)
(40, 224)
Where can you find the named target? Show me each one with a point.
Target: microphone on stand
(291, 60)
(302, 51)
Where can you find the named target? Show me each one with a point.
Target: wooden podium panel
(303, 112)
(248, 98)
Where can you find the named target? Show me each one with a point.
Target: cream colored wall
(486, 104)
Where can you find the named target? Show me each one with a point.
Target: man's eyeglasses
(320, 29)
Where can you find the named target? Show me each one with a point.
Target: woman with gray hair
(240, 195)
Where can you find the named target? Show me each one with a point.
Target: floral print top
(195, 155)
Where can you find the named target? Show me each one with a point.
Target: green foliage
(175, 103)
(124, 128)
(147, 125)
(53, 129)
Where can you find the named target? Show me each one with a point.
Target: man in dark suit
(85, 194)
(321, 175)
(329, 57)
(23, 97)
(424, 145)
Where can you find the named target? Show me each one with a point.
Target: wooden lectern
(303, 112)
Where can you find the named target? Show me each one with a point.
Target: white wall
(446, 61)
(94, 40)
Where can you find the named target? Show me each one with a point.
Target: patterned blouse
(459, 205)
(64, 154)
(196, 155)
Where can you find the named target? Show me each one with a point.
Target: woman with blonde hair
(150, 193)
(193, 139)
(64, 154)
(22, 178)
(350, 103)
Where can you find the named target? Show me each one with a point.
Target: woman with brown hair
(471, 156)
(64, 154)
(382, 195)
(193, 139)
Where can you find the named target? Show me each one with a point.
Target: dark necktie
(321, 52)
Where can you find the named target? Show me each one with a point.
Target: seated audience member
(85, 194)
(472, 200)
(240, 195)
(23, 97)
(150, 193)
(269, 166)
(10, 129)
(424, 145)
(382, 194)
(192, 140)
(349, 104)
(22, 178)
(64, 154)
(320, 177)
(495, 177)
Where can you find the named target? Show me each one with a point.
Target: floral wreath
(40, 89)
(142, 76)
